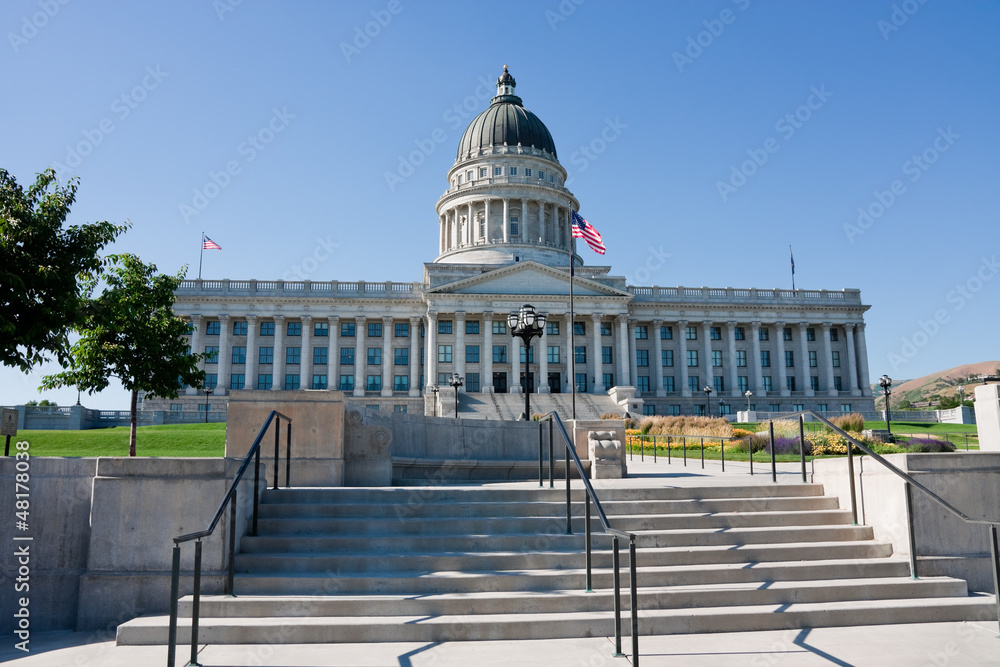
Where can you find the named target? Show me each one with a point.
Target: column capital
(415, 322)
(387, 321)
(223, 318)
(860, 326)
(755, 324)
(432, 316)
(682, 323)
(251, 319)
(360, 319)
(196, 318)
(306, 319)
(708, 323)
(632, 323)
(826, 326)
(849, 327)
(459, 316)
(596, 317)
(657, 324)
(488, 316)
(780, 324)
(731, 324)
(279, 319)
(802, 325)
(621, 319)
(334, 320)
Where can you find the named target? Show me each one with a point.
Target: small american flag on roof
(209, 244)
(584, 230)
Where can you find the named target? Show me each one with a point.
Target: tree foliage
(131, 333)
(42, 265)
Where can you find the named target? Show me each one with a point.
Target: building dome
(506, 121)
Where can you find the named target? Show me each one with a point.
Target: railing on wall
(230, 550)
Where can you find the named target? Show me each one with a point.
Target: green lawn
(954, 432)
(171, 440)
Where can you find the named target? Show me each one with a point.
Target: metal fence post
(618, 600)
(911, 532)
(175, 574)
(774, 457)
(277, 456)
(802, 446)
(196, 602)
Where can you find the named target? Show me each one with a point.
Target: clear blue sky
(162, 95)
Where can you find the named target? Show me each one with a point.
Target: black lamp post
(434, 408)
(749, 394)
(527, 324)
(708, 393)
(961, 396)
(456, 382)
(208, 392)
(885, 382)
(722, 408)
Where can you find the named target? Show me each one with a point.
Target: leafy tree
(132, 334)
(41, 268)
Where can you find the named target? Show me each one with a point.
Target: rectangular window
(765, 359)
(552, 354)
(552, 328)
(649, 409)
(265, 355)
(400, 382)
(237, 380)
(347, 356)
(444, 379)
(498, 171)
(774, 407)
(669, 383)
(472, 327)
(580, 354)
(444, 326)
(400, 356)
(579, 329)
(838, 383)
(541, 174)
(482, 172)
(845, 407)
(666, 333)
(318, 382)
(239, 328)
(786, 333)
(581, 383)
(691, 333)
(530, 355)
(641, 332)
(822, 407)
(213, 354)
(527, 172)
(321, 329)
(744, 383)
(514, 231)
(667, 358)
(814, 382)
(810, 334)
(346, 383)
(499, 328)
(767, 383)
(294, 328)
(790, 383)
(512, 171)
(719, 384)
(741, 358)
(715, 333)
(789, 359)
(264, 381)
(213, 328)
(813, 361)
(444, 354)
(373, 383)
(399, 408)
(692, 358)
(797, 407)
(674, 410)
(608, 380)
(605, 328)
(347, 329)
(762, 334)
(319, 356)
(643, 383)
(472, 382)
(716, 358)
(693, 384)
(374, 356)
(833, 335)
(607, 355)
(374, 329)
(291, 382)
(472, 354)
(836, 359)
(293, 355)
(267, 328)
(499, 354)
(211, 380)
(402, 330)
(642, 358)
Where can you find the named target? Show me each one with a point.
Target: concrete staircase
(494, 562)
(510, 406)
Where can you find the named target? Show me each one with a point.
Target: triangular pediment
(527, 278)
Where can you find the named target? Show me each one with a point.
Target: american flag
(209, 244)
(584, 230)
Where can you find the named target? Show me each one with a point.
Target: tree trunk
(131, 434)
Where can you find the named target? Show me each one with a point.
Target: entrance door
(500, 382)
(554, 383)
(531, 383)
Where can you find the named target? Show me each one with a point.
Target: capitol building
(505, 240)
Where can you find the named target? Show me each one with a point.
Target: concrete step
(424, 628)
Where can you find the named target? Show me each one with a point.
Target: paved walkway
(912, 645)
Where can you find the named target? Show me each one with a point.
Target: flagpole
(202, 255)
(792, 257)
(572, 316)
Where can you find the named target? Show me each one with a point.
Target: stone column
(852, 360)
(657, 360)
(387, 361)
(487, 355)
(486, 220)
(706, 327)
(470, 226)
(541, 221)
(251, 365)
(804, 363)
(864, 381)
(196, 323)
(459, 354)
(278, 369)
(524, 221)
(734, 383)
(595, 353)
(306, 359)
(570, 339)
(515, 366)
(506, 220)
(831, 390)
(782, 372)
(360, 355)
(633, 365)
(430, 356)
(414, 356)
(623, 379)
(225, 357)
(441, 234)
(683, 362)
(542, 386)
(757, 369)
(333, 353)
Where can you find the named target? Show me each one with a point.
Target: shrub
(929, 445)
(709, 426)
(852, 422)
(611, 415)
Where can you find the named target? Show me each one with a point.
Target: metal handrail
(230, 501)
(553, 418)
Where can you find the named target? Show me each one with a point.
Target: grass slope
(171, 440)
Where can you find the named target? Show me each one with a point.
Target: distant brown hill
(943, 384)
